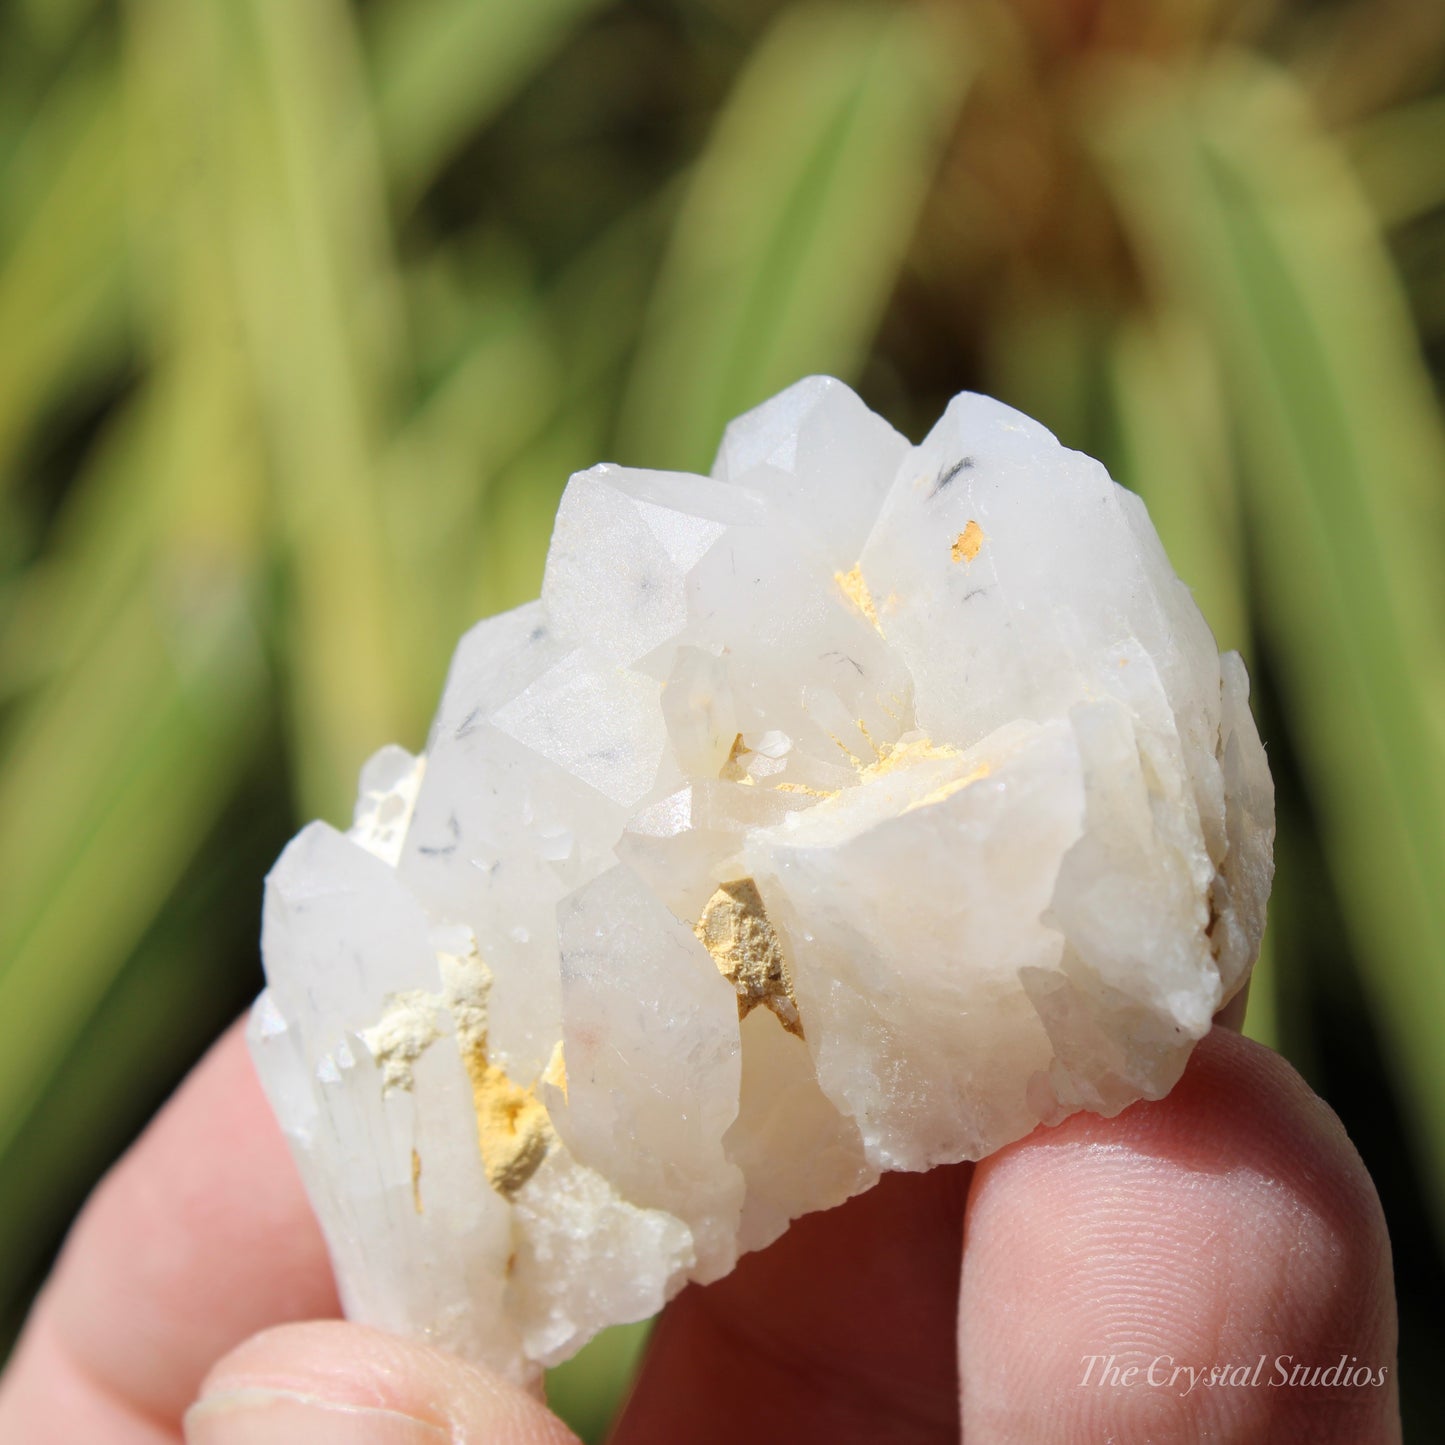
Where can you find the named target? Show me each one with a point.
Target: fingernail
(275, 1417)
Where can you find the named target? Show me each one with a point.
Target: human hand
(1230, 1223)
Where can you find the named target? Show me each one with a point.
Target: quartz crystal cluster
(857, 807)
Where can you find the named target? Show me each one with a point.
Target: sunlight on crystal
(858, 807)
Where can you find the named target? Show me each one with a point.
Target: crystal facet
(857, 807)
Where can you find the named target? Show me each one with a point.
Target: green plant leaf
(179, 986)
(588, 1390)
(97, 820)
(1048, 356)
(795, 222)
(444, 67)
(1399, 156)
(522, 503)
(57, 22)
(62, 257)
(1250, 217)
(321, 310)
(59, 603)
(1173, 445)
(528, 403)
(133, 736)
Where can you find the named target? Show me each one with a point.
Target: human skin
(1229, 1221)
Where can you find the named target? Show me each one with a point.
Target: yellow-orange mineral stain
(948, 789)
(736, 931)
(855, 590)
(966, 545)
(805, 790)
(893, 756)
(512, 1125)
(513, 1130)
(734, 770)
(555, 1073)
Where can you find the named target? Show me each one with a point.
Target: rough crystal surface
(858, 807)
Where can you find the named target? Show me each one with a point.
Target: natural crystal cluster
(857, 807)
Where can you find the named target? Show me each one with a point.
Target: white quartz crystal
(859, 807)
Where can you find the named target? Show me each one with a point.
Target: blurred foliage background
(308, 308)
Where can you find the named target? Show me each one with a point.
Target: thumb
(332, 1383)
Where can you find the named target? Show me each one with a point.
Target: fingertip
(330, 1381)
(1228, 1224)
(839, 1330)
(200, 1235)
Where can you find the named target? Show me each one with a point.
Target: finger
(842, 1330)
(340, 1384)
(1230, 1224)
(199, 1237)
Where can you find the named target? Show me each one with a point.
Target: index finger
(1210, 1266)
(197, 1239)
